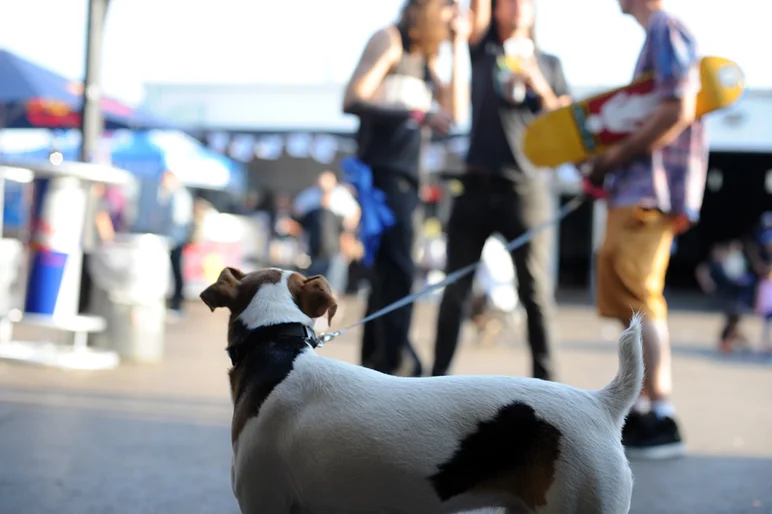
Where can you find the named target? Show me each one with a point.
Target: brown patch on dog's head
(253, 379)
(313, 295)
(234, 289)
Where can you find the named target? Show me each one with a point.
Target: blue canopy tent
(34, 97)
(147, 155)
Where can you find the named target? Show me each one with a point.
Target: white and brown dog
(314, 435)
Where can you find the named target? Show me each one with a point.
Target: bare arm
(677, 81)
(453, 97)
(380, 54)
(351, 222)
(104, 225)
(703, 277)
(480, 19)
(753, 253)
(664, 126)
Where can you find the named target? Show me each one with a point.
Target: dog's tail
(620, 394)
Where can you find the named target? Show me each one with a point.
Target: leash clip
(326, 338)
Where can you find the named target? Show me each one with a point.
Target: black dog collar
(279, 331)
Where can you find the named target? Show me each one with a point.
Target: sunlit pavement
(155, 438)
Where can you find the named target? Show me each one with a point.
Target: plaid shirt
(672, 178)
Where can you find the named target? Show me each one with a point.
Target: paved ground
(155, 439)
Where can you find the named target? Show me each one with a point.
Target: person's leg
(370, 350)
(529, 207)
(468, 228)
(177, 295)
(86, 283)
(397, 275)
(394, 273)
(632, 265)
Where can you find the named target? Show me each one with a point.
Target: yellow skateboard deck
(586, 128)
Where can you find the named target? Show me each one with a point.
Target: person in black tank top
(503, 191)
(392, 92)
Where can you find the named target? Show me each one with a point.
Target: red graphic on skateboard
(610, 118)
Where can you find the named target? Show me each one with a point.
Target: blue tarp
(376, 216)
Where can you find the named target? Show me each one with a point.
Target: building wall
(745, 127)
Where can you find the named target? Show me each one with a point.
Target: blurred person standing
(392, 91)
(727, 275)
(177, 207)
(326, 214)
(759, 252)
(103, 219)
(502, 191)
(654, 181)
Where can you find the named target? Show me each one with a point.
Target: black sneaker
(655, 438)
(632, 427)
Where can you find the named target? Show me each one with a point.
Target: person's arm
(480, 20)
(551, 87)
(351, 222)
(380, 54)
(707, 284)
(752, 251)
(454, 97)
(676, 73)
(104, 225)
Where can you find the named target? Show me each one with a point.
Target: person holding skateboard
(513, 81)
(391, 92)
(654, 182)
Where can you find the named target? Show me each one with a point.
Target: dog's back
(412, 445)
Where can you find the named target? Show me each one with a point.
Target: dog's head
(271, 296)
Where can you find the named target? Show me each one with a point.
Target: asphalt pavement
(155, 438)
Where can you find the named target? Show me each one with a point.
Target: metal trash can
(11, 251)
(131, 277)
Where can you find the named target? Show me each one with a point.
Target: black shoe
(632, 427)
(654, 438)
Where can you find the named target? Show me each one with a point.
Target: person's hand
(528, 73)
(596, 168)
(440, 121)
(461, 26)
(709, 287)
(603, 164)
(591, 190)
(289, 226)
(681, 223)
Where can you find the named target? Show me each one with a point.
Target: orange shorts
(632, 262)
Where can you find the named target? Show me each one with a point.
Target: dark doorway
(735, 197)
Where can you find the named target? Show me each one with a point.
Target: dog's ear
(313, 295)
(223, 292)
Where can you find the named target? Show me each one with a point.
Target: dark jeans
(319, 266)
(86, 284)
(486, 206)
(179, 284)
(385, 340)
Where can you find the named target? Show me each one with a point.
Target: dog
(313, 435)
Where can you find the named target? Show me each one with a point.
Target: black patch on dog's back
(514, 453)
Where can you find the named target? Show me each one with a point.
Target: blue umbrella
(376, 217)
(156, 151)
(34, 97)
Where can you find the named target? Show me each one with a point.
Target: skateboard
(583, 129)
